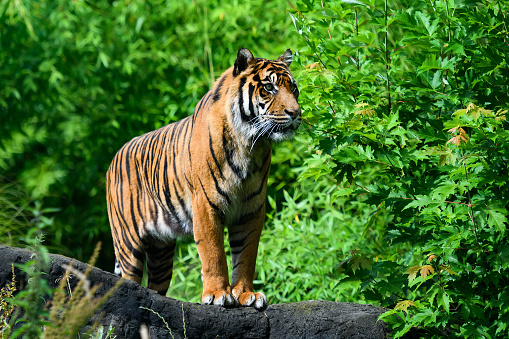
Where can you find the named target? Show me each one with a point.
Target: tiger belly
(166, 226)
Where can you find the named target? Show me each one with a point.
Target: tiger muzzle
(294, 114)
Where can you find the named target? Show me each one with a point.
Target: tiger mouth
(275, 130)
(283, 130)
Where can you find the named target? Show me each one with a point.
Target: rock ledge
(305, 319)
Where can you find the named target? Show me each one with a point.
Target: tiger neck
(242, 155)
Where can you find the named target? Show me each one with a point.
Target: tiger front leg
(208, 235)
(244, 239)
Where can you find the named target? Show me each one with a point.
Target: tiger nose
(293, 113)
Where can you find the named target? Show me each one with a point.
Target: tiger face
(266, 104)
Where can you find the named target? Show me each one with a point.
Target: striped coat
(201, 174)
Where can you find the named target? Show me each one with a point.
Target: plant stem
(357, 33)
(387, 60)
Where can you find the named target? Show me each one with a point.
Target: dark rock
(133, 305)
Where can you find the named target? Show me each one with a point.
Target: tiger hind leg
(160, 265)
(130, 265)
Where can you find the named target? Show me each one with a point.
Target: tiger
(202, 174)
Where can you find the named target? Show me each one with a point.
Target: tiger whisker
(264, 127)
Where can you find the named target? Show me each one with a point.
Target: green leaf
(421, 201)
(497, 218)
(443, 191)
(357, 2)
(437, 80)
(456, 48)
(431, 27)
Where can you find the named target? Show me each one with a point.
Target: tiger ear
(244, 59)
(286, 58)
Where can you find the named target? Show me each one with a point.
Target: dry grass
(71, 310)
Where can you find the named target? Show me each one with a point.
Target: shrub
(406, 109)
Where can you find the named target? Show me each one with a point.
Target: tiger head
(265, 104)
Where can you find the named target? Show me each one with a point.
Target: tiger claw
(219, 298)
(250, 299)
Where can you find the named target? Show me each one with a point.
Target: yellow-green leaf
(404, 305)
(412, 272)
(426, 270)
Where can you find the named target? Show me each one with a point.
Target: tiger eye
(269, 87)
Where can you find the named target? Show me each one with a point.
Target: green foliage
(406, 110)
(29, 313)
(25, 306)
(29, 316)
(14, 221)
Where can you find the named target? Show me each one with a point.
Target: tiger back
(201, 174)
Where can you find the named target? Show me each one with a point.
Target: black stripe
(211, 147)
(133, 216)
(241, 100)
(240, 242)
(217, 93)
(169, 204)
(251, 93)
(182, 203)
(189, 141)
(160, 280)
(118, 184)
(214, 206)
(174, 154)
(188, 182)
(259, 190)
(207, 98)
(123, 225)
(176, 176)
(120, 253)
(185, 133)
(140, 192)
(236, 265)
(137, 166)
(235, 252)
(198, 107)
(127, 267)
(127, 153)
(166, 185)
(218, 188)
(228, 152)
(248, 216)
(157, 161)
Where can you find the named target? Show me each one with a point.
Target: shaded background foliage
(394, 192)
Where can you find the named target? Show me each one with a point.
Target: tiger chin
(201, 174)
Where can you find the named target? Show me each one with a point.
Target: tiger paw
(252, 299)
(222, 298)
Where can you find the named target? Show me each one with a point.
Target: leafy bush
(406, 107)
